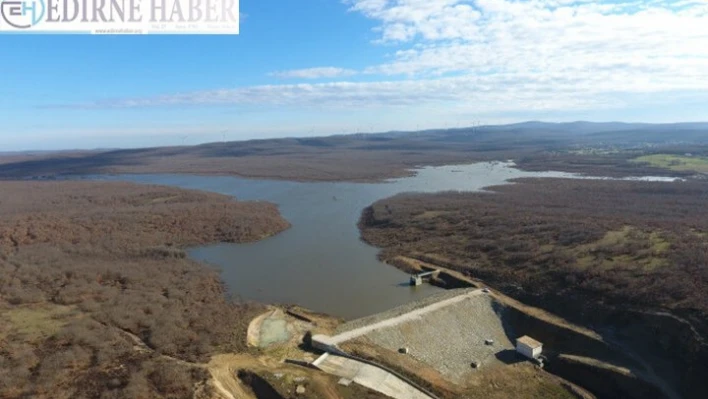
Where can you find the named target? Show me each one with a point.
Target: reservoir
(320, 262)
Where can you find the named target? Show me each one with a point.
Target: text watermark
(120, 16)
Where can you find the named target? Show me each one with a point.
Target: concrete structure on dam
(449, 332)
(529, 347)
(417, 279)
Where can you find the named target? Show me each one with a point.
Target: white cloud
(502, 56)
(489, 93)
(314, 73)
(549, 38)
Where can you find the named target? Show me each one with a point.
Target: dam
(449, 332)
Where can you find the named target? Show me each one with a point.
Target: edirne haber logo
(120, 16)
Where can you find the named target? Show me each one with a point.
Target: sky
(320, 67)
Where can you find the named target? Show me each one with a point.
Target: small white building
(529, 347)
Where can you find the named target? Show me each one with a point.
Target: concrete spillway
(369, 376)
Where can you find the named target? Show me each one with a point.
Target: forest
(97, 297)
(624, 242)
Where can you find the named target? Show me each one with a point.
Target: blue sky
(315, 67)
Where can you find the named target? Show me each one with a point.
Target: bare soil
(257, 377)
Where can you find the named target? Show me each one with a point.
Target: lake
(321, 263)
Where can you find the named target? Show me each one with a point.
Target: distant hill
(574, 133)
(566, 130)
(356, 157)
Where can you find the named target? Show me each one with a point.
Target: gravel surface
(395, 312)
(448, 339)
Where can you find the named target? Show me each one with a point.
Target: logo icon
(22, 14)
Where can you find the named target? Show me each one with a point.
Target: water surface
(320, 262)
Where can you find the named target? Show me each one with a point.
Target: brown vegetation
(374, 157)
(628, 256)
(97, 298)
(357, 158)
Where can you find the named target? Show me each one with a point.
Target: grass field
(676, 162)
(626, 248)
(34, 322)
